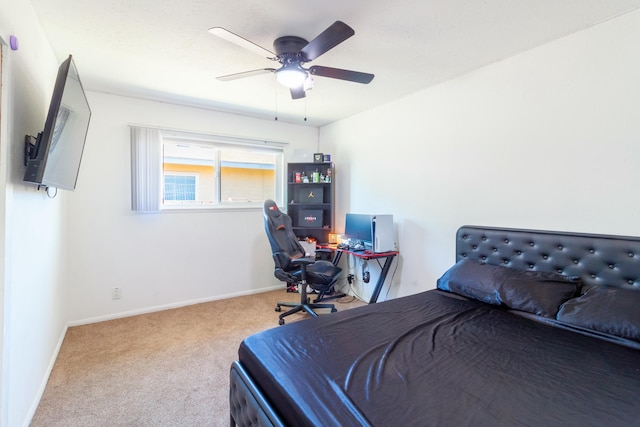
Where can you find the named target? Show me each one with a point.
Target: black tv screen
(53, 160)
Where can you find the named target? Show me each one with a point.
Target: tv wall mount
(31, 144)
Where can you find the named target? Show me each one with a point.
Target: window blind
(146, 169)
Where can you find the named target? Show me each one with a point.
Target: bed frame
(597, 259)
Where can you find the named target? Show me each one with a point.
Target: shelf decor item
(318, 158)
(309, 194)
(310, 218)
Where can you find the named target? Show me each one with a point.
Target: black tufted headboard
(597, 259)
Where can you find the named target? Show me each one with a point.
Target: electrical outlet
(116, 293)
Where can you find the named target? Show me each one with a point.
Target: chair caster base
(308, 308)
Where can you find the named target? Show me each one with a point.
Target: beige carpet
(169, 368)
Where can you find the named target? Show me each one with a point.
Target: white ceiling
(161, 49)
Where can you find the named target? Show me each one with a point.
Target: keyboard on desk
(353, 247)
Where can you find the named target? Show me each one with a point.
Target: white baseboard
(170, 306)
(45, 379)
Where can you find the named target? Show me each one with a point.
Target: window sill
(216, 208)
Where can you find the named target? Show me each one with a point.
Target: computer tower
(383, 233)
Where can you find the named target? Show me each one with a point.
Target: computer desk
(367, 255)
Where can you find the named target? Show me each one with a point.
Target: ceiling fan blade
(244, 74)
(297, 92)
(241, 41)
(328, 39)
(337, 73)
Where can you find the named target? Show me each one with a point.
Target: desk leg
(383, 275)
(336, 257)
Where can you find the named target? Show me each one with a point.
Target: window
(189, 173)
(179, 187)
(200, 171)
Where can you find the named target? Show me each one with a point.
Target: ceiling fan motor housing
(289, 45)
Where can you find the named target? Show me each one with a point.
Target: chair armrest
(325, 250)
(302, 261)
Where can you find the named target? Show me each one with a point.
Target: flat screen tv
(53, 157)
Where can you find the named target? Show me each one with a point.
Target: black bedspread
(434, 359)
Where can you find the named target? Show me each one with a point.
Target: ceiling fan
(292, 52)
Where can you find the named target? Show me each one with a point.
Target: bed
(528, 327)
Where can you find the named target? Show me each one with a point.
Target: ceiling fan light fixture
(291, 75)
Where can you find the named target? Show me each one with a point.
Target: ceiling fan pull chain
(276, 118)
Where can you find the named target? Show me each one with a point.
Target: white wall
(32, 287)
(548, 139)
(165, 259)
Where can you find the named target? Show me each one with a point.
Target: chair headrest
(283, 241)
(270, 209)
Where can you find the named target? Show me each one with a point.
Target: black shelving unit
(310, 201)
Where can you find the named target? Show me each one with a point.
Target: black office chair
(292, 267)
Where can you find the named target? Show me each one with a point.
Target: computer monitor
(357, 227)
